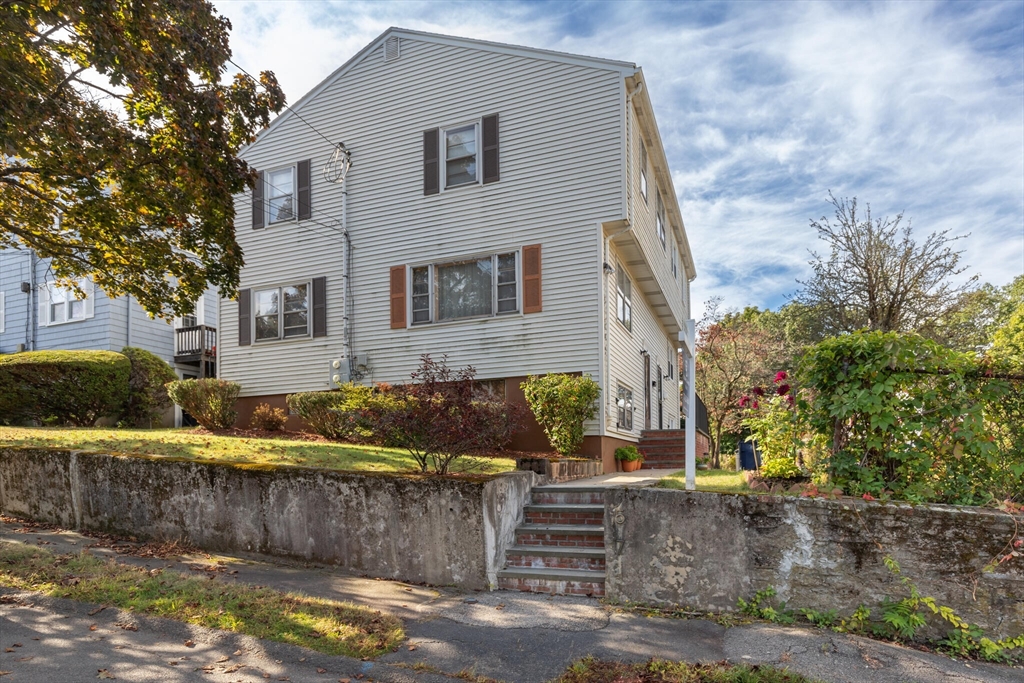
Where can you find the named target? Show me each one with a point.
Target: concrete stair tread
(564, 488)
(564, 507)
(569, 529)
(552, 574)
(555, 551)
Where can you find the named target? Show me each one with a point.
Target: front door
(647, 391)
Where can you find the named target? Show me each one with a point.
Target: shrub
(562, 404)
(210, 401)
(268, 419)
(439, 417)
(628, 454)
(63, 387)
(147, 387)
(781, 468)
(348, 414)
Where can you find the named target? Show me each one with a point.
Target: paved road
(514, 637)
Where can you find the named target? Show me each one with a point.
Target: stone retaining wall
(438, 530)
(707, 550)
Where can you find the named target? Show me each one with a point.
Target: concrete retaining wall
(707, 550)
(438, 530)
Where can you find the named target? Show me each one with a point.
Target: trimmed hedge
(147, 387)
(210, 401)
(63, 387)
(346, 414)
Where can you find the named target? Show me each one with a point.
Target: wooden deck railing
(198, 340)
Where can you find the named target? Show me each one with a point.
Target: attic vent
(392, 48)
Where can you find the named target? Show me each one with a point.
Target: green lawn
(202, 446)
(592, 670)
(720, 481)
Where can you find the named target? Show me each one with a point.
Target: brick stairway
(663, 448)
(560, 545)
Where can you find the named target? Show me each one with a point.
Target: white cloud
(763, 108)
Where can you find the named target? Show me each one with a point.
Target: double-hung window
(470, 288)
(643, 171)
(675, 261)
(624, 408)
(65, 305)
(282, 312)
(624, 297)
(281, 194)
(659, 220)
(460, 155)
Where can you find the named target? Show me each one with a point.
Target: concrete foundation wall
(707, 550)
(438, 530)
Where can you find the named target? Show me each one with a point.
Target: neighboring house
(509, 207)
(35, 314)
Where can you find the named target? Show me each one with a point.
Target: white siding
(560, 149)
(627, 364)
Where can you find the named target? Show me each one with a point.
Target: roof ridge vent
(392, 48)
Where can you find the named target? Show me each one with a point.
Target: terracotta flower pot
(631, 465)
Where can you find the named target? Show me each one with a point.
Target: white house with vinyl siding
(509, 207)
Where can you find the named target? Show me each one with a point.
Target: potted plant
(630, 457)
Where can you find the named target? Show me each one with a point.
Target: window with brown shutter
(431, 174)
(397, 297)
(532, 298)
(303, 190)
(257, 203)
(319, 307)
(244, 318)
(490, 149)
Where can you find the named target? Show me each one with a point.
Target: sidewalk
(515, 637)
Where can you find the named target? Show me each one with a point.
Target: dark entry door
(647, 391)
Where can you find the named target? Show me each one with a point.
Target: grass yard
(201, 445)
(719, 481)
(591, 670)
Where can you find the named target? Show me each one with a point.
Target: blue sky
(763, 107)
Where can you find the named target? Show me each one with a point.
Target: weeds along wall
(438, 530)
(708, 550)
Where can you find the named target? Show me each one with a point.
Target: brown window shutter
(319, 307)
(244, 318)
(257, 203)
(303, 189)
(532, 299)
(431, 163)
(490, 140)
(397, 297)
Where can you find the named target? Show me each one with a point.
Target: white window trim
(628, 299)
(268, 189)
(432, 266)
(632, 407)
(3, 311)
(660, 227)
(280, 314)
(643, 171)
(88, 303)
(477, 124)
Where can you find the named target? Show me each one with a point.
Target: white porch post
(688, 337)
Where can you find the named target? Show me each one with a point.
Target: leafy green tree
(972, 325)
(118, 144)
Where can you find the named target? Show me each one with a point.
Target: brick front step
(655, 451)
(568, 495)
(543, 557)
(566, 514)
(554, 581)
(651, 434)
(664, 464)
(561, 535)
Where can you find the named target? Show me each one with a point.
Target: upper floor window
(464, 154)
(659, 220)
(282, 312)
(643, 171)
(472, 288)
(460, 167)
(281, 194)
(675, 261)
(63, 304)
(624, 297)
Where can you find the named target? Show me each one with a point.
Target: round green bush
(210, 401)
(147, 387)
(63, 387)
(562, 404)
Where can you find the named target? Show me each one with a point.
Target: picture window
(470, 288)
